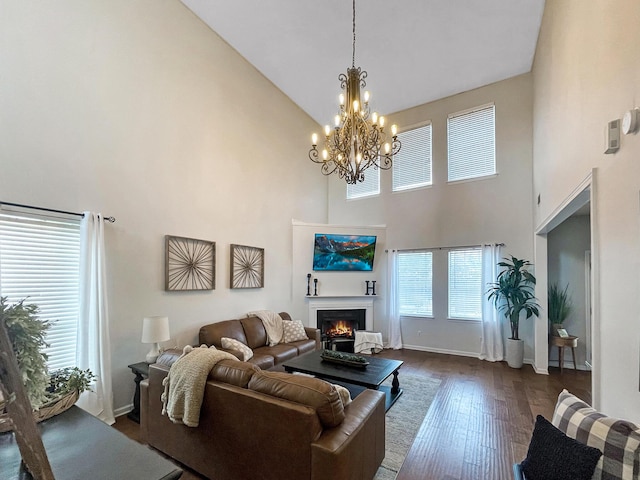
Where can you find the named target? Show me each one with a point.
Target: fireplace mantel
(340, 302)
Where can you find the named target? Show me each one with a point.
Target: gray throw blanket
(185, 383)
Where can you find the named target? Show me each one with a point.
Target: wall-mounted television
(343, 252)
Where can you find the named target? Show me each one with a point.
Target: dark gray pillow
(554, 456)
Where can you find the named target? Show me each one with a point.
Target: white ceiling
(415, 51)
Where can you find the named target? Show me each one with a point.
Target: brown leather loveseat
(250, 331)
(264, 425)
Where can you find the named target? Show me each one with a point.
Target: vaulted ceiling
(415, 51)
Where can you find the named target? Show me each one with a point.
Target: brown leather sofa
(251, 332)
(264, 425)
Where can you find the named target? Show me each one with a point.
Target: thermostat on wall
(630, 121)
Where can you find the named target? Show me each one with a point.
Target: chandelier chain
(353, 56)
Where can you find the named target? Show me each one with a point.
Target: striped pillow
(618, 440)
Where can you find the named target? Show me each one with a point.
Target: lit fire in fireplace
(339, 328)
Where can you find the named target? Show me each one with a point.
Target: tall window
(40, 262)
(465, 284)
(412, 164)
(415, 274)
(471, 139)
(370, 186)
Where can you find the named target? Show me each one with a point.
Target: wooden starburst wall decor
(247, 267)
(190, 264)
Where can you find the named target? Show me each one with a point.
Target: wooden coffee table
(372, 376)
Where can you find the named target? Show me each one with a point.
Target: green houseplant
(559, 306)
(27, 334)
(512, 294)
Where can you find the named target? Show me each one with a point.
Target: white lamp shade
(155, 329)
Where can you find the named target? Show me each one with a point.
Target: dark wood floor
(480, 421)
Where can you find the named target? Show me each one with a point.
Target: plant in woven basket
(27, 333)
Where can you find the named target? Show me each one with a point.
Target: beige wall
(496, 209)
(138, 110)
(587, 73)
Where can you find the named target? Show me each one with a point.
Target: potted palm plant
(512, 294)
(559, 307)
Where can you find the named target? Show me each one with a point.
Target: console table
(141, 371)
(81, 446)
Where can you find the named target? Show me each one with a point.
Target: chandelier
(356, 141)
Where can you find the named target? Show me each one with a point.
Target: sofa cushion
(280, 353)
(313, 392)
(234, 344)
(293, 331)
(254, 331)
(262, 360)
(304, 346)
(618, 440)
(554, 456)
(212, 334)
(233, 372)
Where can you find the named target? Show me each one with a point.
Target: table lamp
(154, 331)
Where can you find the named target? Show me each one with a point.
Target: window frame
(494, 162)
(57, 289)
(450, 316)
(420, 184)
(425, 314)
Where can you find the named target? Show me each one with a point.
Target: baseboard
(123, 410)
(568, 365)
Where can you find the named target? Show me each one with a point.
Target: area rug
(403, 420)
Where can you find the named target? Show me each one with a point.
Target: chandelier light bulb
(325, 154)
(366, 96)
(394, 130)
(387, 148)
(374, 118)
(358, 158)
(314, 139)
(341, 97)
(336, 121)
(327, 130)
(381, 121)
(356, 106)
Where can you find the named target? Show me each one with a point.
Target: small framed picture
(562, 333)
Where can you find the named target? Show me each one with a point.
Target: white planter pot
(515, 353)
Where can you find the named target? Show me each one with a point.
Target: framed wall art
(247, 267)
(190, 264)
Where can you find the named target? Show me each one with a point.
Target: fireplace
(338, 327)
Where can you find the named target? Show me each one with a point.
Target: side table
(141, 371)
(561, 343)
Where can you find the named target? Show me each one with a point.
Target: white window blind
(471, 140)
(40, 261)
(415, 279)
(412, 164)
(370, 186)
(465, 284)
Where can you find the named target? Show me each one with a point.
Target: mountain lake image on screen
(343, 252)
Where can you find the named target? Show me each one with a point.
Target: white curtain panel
(492, 346)
(94, 349)
(395, 334)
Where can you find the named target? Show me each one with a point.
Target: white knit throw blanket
(185, 383)
(272, 324)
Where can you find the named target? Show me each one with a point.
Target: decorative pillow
(618, 440)
(233, 344)
(554, 456)
(293, 331)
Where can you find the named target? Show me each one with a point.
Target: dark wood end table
(372, 376)
(141, 371)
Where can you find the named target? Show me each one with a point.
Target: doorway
(565, 253)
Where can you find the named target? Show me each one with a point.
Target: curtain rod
(107, 219)
(443, 248)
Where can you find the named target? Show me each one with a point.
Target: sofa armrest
(356, 447)
(314, 334)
